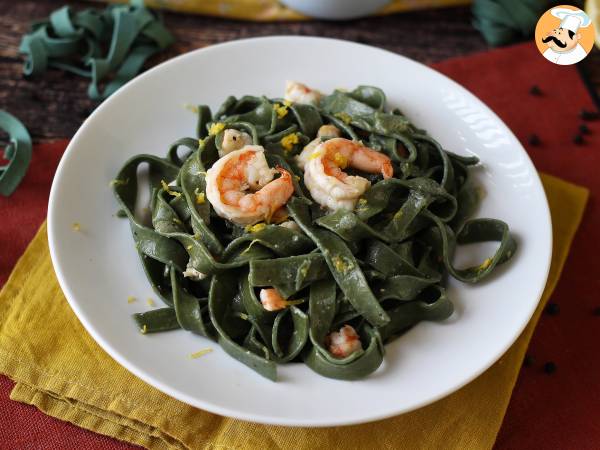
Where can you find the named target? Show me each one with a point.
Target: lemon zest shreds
(342, 265)
(76, 226)
(216, 128)
(190, 107)
(200, 198)
(288, 141)
(340, 160)
(315, 155)
(131, 299)
(150, 302)
(287, 103)
(256, 228)
(144, 329)
(118, 182)
(200, 353)
(281, 110)
(166, 188)
(344, 117)
(485, 264)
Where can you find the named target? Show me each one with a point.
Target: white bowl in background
(336, 9)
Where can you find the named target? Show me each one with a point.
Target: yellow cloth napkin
(55, 362)
(267, 10)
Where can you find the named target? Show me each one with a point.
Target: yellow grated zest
(200, 353)
(76, 226)
(314, 155)
(287, 103)
(166, 188)
(216, 128)
(150, 302)
(362, 202)
(296, 177)
(201, 142)
(118, 182)
(281, 110)
(177, 221)
(200, 198)
(288, 141)
(189, 247)
(144, 329)
(344, 117)
(190, 107)
(131, 299)
(256, 228)
(484, 265)
(340, 264)
(340, 160)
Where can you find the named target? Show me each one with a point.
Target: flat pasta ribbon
(380, 268)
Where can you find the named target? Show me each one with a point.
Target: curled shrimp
(300, 93)
(234, 140)
(240, 186)
(329, 185)
(272, 300)
(325, 131)
(344, 342)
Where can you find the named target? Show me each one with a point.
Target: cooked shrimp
(329, 185)
(344, 342)
(240, 186)
(326, 131)
(234, 140)
(290, 225)
(272, 300)
(300, 93)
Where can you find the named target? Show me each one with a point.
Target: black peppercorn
(552, 309)
(528, 360)
(534, 139)
(583, 129)
(588, 115)
(578, 139)
(535, 90)
(549, 367)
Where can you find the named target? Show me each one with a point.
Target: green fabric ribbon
(108, 46)
(502, 22)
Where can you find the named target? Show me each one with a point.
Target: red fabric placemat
(546, 411)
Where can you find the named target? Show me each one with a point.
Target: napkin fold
(55, 364)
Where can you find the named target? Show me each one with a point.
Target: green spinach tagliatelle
(381, 268)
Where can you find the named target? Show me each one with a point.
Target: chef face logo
(561, 40)
(564, 35)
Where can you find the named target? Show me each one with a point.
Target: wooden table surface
(55, 104)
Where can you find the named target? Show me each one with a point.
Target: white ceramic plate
(98, 267)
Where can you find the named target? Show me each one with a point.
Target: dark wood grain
(54, 105)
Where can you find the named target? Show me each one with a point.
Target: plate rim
(262, 418)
